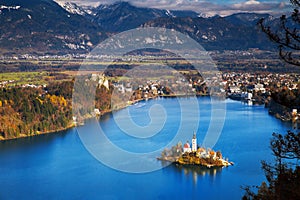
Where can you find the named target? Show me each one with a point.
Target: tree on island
(286, 35)
(284, 175)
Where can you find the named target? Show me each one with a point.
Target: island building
(202, 156)
(194, 143)
(187, 148)
(192, 155)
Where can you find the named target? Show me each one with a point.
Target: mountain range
(41, 26)
(44, 26)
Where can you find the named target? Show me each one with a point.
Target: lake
(60, 165)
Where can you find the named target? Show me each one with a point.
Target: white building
(234, 89)
(249, 96)
(194, 143)
(97, 111)
(187, 148)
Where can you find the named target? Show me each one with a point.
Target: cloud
(209, 7)
(261, 7)
(252, 2)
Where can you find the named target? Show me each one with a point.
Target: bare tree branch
(288, 57)
(295, 2)
(286, 35)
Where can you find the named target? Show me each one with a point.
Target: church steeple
(194, 143)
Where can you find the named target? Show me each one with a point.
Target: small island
(194, 156)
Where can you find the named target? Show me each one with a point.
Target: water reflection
(30, 142)
(194, 171)
(54, 161)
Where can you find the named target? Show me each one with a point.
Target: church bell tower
(194, 143)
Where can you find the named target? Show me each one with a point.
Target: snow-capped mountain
(72, 8)
(122, 16)
(41, 26)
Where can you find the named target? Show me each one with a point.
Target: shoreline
(72, 125)
(39, 133)
(274, 111)
(179, 161)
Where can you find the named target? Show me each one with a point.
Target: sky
(209, 7)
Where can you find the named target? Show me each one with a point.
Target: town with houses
(253, 88)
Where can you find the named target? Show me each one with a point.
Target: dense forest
(32, 111)
(283, 101)
(286, 97)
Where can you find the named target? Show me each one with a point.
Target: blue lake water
(58, 166)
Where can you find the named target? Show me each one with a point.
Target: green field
(36, 78)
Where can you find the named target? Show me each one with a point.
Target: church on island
(192, 155)
(187, 148)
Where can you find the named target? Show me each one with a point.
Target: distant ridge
(40, 26)
(123, 16)
(43, 26)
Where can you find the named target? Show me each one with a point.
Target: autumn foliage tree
(30, 111)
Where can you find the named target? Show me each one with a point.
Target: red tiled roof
(186, 145)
